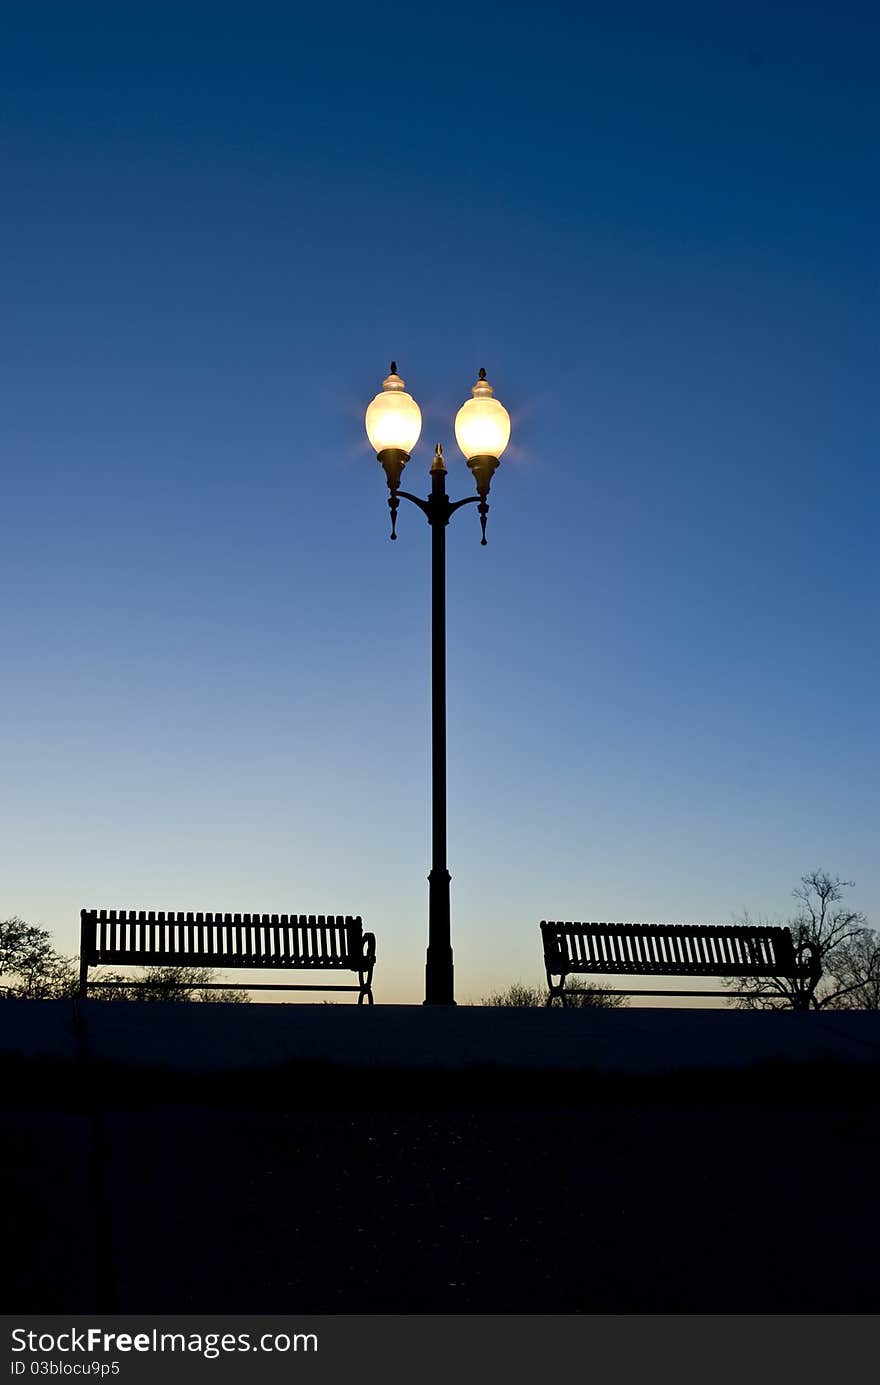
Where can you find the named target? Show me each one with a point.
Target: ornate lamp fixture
(482, 430)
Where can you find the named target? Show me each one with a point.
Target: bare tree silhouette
(838, 939)
(31, 969)
(855, 971)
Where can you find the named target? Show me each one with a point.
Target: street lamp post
(482, 430)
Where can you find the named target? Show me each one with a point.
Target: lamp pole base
(439, 971)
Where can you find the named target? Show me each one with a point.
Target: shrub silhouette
(585, 997)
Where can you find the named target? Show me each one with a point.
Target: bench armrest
(368, 945)
(809, 961)
(553, 956)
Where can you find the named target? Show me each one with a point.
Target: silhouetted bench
(313, 943)
(653, 949)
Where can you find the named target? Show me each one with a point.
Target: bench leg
(554, 992)
(86, 950)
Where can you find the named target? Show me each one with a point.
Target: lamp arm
(425, 505)
(422, 504)
(445, 514)
(484, 510)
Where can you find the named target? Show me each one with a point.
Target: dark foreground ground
(322, 1192)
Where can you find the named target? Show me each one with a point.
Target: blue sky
(658, 231)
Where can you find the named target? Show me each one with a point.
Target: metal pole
(439, 988)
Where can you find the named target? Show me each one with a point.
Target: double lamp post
(482, 431)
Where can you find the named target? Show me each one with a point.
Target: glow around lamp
(482, 431)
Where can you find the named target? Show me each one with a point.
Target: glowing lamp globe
(394, 419)
(482, 431)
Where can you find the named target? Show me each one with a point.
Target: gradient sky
(657, 229)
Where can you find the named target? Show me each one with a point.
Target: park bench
(314, 943)
(651, 949)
